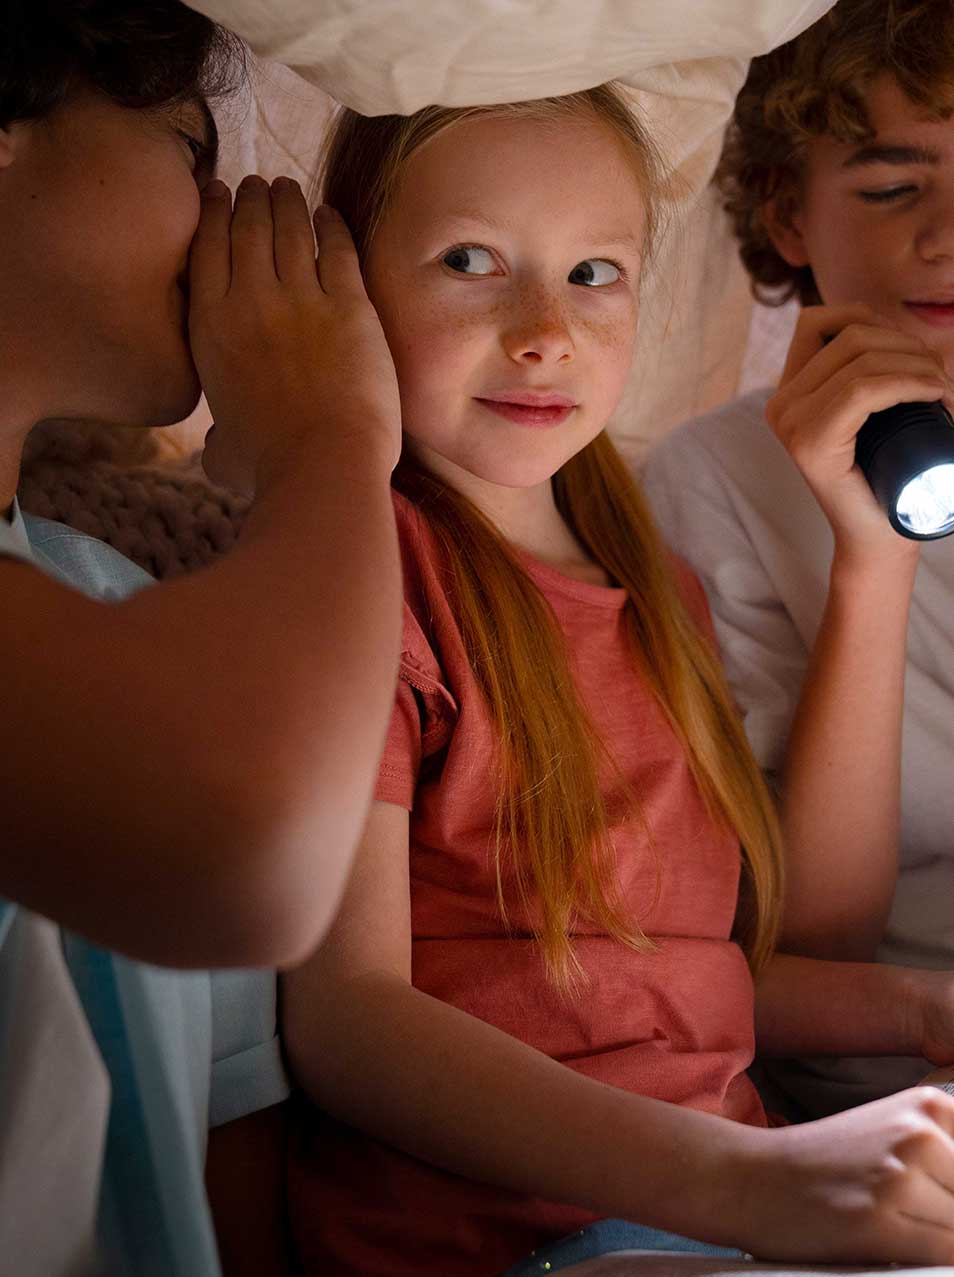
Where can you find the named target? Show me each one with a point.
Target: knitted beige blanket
(114, 484)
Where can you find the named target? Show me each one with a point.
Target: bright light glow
(926, 504)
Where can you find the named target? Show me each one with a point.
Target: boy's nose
(936, 240)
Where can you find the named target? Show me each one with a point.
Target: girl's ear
(781, 220)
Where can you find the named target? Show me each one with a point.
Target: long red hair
(552, 772)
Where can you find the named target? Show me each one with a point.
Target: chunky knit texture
(114, 484)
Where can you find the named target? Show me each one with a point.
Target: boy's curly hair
(815, 85)
(150, 54)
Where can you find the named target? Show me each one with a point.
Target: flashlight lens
(926, 504)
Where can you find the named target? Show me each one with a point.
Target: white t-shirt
(729, 498)
(101, 1168)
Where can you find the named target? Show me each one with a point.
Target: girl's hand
(844, 363)
(290, 352)
(934, 1011)
(874, 1184)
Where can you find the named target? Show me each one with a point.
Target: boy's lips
(936, 311)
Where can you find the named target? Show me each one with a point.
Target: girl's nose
(541, 337)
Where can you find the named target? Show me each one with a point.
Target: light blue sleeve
(88, 565)
(247, 1069)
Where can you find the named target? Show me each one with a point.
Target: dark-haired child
(185, 769)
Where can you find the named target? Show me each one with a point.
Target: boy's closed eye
(195, 124)
(889, 194)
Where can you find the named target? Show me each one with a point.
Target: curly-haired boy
(838, 174)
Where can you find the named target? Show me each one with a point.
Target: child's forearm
(457, 1092)
(808, 1007)
(841, 782)
(214, 740)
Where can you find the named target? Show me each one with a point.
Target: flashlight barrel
(896, 445)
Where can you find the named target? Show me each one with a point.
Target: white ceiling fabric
(684, 61)
(380, 56)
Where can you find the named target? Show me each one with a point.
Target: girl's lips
(939, 314)
(529, 414)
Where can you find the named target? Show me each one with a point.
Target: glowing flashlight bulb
(926, 504)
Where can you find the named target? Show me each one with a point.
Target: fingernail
(283, 183)
(323, 211)
(215, 189)
(252, 179)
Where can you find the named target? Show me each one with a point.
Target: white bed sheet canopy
(682, 60)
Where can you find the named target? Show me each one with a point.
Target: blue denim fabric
(602, 1238)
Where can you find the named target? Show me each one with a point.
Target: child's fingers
(817, 325)
(930, 1208)
(210, 255)
(876, 367)
(253, 256)
(338, 267)
(837, 410)
(859, 353)
(856, 344)
(294, 237)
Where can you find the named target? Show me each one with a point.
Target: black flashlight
(907, 455)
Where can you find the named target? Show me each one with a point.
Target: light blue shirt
(183, 1050)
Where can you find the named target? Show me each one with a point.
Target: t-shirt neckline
(551, 578)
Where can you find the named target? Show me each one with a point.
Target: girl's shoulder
(432, 651)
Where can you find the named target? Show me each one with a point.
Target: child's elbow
(278, 882)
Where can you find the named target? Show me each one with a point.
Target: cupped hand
(290, 351)
(844, 363)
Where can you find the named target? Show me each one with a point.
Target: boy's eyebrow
(875, 154)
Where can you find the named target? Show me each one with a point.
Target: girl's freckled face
(509, 262)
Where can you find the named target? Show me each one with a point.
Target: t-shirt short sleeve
(422, 721)
(248, 1073)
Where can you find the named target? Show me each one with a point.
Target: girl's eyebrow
(627, 239)
(899, 155)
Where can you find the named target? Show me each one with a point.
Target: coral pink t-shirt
(675, 1024)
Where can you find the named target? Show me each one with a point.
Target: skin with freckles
(98, 206)
(875, 221)
(487, 285)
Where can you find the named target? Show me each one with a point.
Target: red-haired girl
(536, 1007)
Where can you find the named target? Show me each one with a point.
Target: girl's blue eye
(470, 259)
(595, 272)
(886, 196)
